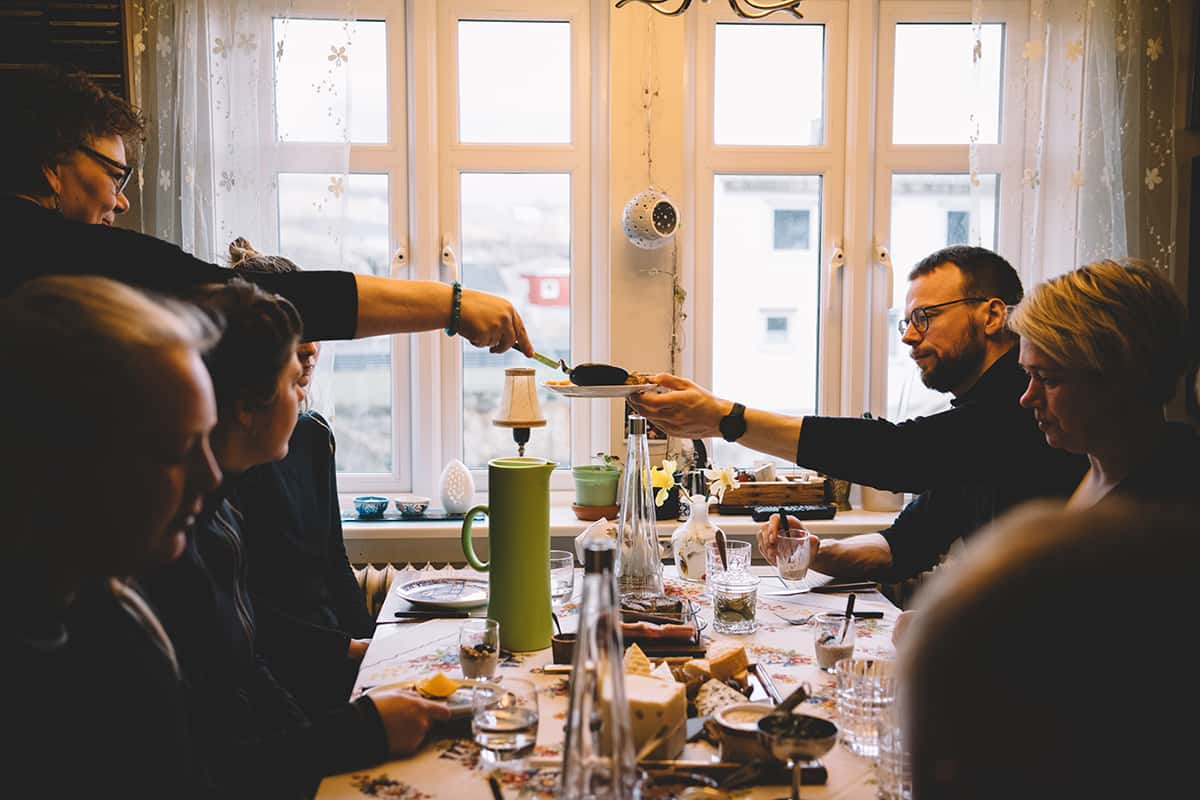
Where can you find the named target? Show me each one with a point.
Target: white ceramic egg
(457, 487)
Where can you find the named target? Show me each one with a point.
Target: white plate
(445, 592)
(623, 390)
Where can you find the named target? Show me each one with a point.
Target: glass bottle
(598, 757)
(639, 568)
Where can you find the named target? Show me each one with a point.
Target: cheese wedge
(714, 695)
(635, 661)
(657, 708)
(727, 660)
(698, 669)
(663, 671)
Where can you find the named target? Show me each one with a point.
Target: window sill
(398, 542)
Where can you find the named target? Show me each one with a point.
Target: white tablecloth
(451, 767)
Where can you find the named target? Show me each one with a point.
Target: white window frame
(826, 159)
(1002, 159)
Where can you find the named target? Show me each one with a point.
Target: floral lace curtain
(219, 133)
(1095, 155)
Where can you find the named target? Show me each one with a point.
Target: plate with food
(568, 389)
(445, 592)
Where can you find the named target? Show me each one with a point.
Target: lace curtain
(1095, 150)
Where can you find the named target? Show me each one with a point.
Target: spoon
(849, 617)
(587, 374)
(798, 696)
(721, 550)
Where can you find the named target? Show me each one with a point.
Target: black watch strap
(733, 424)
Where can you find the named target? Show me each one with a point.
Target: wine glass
(797, 738)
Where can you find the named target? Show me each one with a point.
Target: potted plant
(596, 487)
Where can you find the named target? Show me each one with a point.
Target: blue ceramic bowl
(411, 505)
(370, 505)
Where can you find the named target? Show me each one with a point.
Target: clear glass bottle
(639, 569)
(598, 757)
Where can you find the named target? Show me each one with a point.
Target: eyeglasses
(126, 170)
(920, 316)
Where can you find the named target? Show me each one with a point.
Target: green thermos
(519, 546)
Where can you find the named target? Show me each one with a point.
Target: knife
(435, 615)
(861, 586)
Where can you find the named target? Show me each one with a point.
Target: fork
(808, 619)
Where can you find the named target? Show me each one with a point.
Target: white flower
(163, 45)
(719, 480)
(336, 185)
(1033, 50)
(1030, 177)
(139, 46)
(164, 179)
(1154, 48)
(1152, 179)
(337, 55)
(1074, 50)
(219, 47)
(247, 41)
(227, 181)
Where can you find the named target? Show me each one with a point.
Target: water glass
(793, 550)
(893, 769)
(833, 639)
(479, 648)
(735, 598)
(562, 578)
(737, 553)
(504, 716)
(865, 687)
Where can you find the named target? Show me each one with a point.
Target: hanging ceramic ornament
(457, 487)
(650, 219)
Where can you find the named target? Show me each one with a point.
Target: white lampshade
(519, 407)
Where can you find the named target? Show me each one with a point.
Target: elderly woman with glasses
(66, 141)
(1104, 347)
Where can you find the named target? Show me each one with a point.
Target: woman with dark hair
(313, 624)
(66, 139)
(255, 738)
(94, 705)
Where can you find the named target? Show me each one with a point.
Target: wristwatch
(733, 424)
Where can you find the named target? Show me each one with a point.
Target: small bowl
(370, 506)
(411, 505)
(738, 726)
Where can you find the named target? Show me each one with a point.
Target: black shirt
(969, 464)
(38, 241)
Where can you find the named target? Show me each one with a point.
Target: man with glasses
(967, 464)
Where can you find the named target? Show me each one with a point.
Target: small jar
(735, 601)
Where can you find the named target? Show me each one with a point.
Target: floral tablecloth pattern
(453, 767)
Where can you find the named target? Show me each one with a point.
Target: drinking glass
(504, 717)
(562, 578)
(864, 688)
(479, 648)
(735, 597)
(737, 553)
(894, 767)
(829, 642)
(793, 550)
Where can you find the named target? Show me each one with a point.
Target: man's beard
(951, 370)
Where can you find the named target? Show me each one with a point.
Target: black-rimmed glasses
(126, 171)
(920, 316)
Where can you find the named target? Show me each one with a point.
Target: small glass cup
(737, 553)
(865, 687)
(735, 600)
(893, 769)
(562, 578)
(504, 717)
(793, 550)
(479, 648)
(829, 642)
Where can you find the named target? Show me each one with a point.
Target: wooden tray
(785, 492)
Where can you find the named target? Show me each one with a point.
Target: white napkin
(601, 528)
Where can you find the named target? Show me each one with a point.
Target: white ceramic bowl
(411, 505)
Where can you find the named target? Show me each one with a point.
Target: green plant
(607, 459)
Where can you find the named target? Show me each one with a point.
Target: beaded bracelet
(455, 311)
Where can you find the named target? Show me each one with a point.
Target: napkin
(601, 529)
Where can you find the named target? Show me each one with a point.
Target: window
(791, 229)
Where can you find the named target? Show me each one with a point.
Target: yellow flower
(663, 479)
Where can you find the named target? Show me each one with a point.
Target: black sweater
(306, 599)
(969, 464)
(255, 738)
(38, 241)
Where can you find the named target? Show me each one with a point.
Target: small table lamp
(519, 407)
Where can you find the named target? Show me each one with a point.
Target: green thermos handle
(468, 549)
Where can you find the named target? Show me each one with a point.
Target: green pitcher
(519, 548)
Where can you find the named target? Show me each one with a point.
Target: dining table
(450, 764)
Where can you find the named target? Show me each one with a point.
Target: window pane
(937, 89)
(929, 212)
(766, 311)
(769, 84)
(514, 81)
(516, 243)
(326, 69)
(352, 384)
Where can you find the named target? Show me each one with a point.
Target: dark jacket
(1170, 478)
(306, 599)
(38, 241)
(255, 738)
(969, 464)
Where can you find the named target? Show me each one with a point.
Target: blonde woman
(1104, 347)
